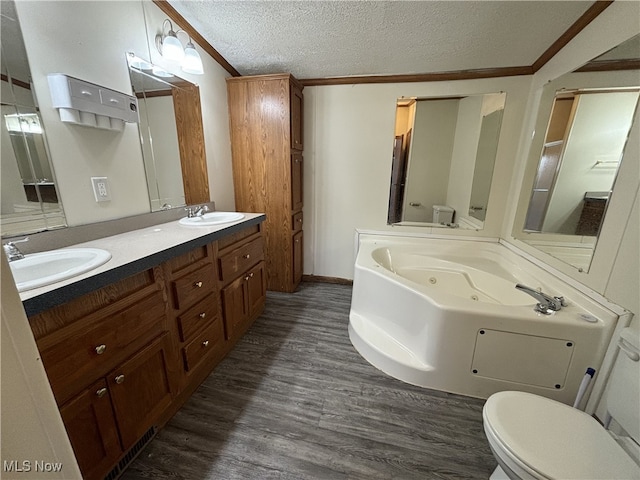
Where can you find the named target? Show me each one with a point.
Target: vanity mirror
(580, 136)
(443, 160)
(171, 135)
(30, 201)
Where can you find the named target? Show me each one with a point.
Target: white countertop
(127, 248)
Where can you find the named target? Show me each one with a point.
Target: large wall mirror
(155, 88)
(443, 159)
(30, 200)
(581, 132)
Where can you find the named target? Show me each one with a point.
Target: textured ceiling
(320, 39)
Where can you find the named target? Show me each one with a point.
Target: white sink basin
(40, 269)
(211, 218)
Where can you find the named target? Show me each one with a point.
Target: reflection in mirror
(443, 159)
(584, 127)
(30, 201)
(155, 90)
(582, 149)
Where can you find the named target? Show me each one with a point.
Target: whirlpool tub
(445, 314)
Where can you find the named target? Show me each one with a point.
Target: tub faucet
(12, 252)
(546, 303)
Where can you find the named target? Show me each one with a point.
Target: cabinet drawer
(240, 259)
(83, 356)
(191, 321)
(84, 90)
(201, 345)
(193, 286)
(296, 222)
(114, 99)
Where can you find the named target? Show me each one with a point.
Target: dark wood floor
(294, 400)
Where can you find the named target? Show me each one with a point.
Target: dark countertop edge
(66, 293)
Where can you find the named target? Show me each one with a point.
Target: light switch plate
(101, 189)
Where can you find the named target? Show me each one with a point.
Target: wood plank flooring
(294, 400)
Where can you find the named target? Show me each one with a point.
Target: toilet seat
(550, 440)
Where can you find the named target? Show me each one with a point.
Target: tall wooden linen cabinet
(265, 119)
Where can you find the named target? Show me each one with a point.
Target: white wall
(89, 40)
(348, 147)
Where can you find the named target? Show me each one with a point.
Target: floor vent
(131, 454)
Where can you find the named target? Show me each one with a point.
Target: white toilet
(442, 214)
(533, 437)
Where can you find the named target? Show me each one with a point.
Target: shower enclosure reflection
(30, 200)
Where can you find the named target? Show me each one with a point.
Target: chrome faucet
(546, 303)
(12, 252)
(196, 211)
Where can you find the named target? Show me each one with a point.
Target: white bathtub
(445, 314)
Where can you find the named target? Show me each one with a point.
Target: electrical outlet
(101, 189)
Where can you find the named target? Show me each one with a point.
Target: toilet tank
(623, 395)
(442, 214)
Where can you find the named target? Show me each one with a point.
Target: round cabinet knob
(246, 256)
(205, 343)
(100, 349)
(299, 220)
(101, 392)
(119, 379)
(202, 315)
(246, 279)
(251, 275)
(197, 284)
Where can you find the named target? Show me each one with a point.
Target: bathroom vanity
(127, 344)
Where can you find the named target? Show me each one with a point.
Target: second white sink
(211, 218)
(40, 269)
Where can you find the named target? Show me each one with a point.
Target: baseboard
(321, 279)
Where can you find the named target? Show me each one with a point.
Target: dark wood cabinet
(242, 299)
(141, 390)
(243, 282)
(266, 147)
(121, 360)
(92, 430)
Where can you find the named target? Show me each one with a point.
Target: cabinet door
(296, 181)
(140, 390)
(256, 288)
(92, 430)
(297, 257)
(296, 117)
(235, 305)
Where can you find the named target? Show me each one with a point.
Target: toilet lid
(555, 440)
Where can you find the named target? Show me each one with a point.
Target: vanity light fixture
(171, 49)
